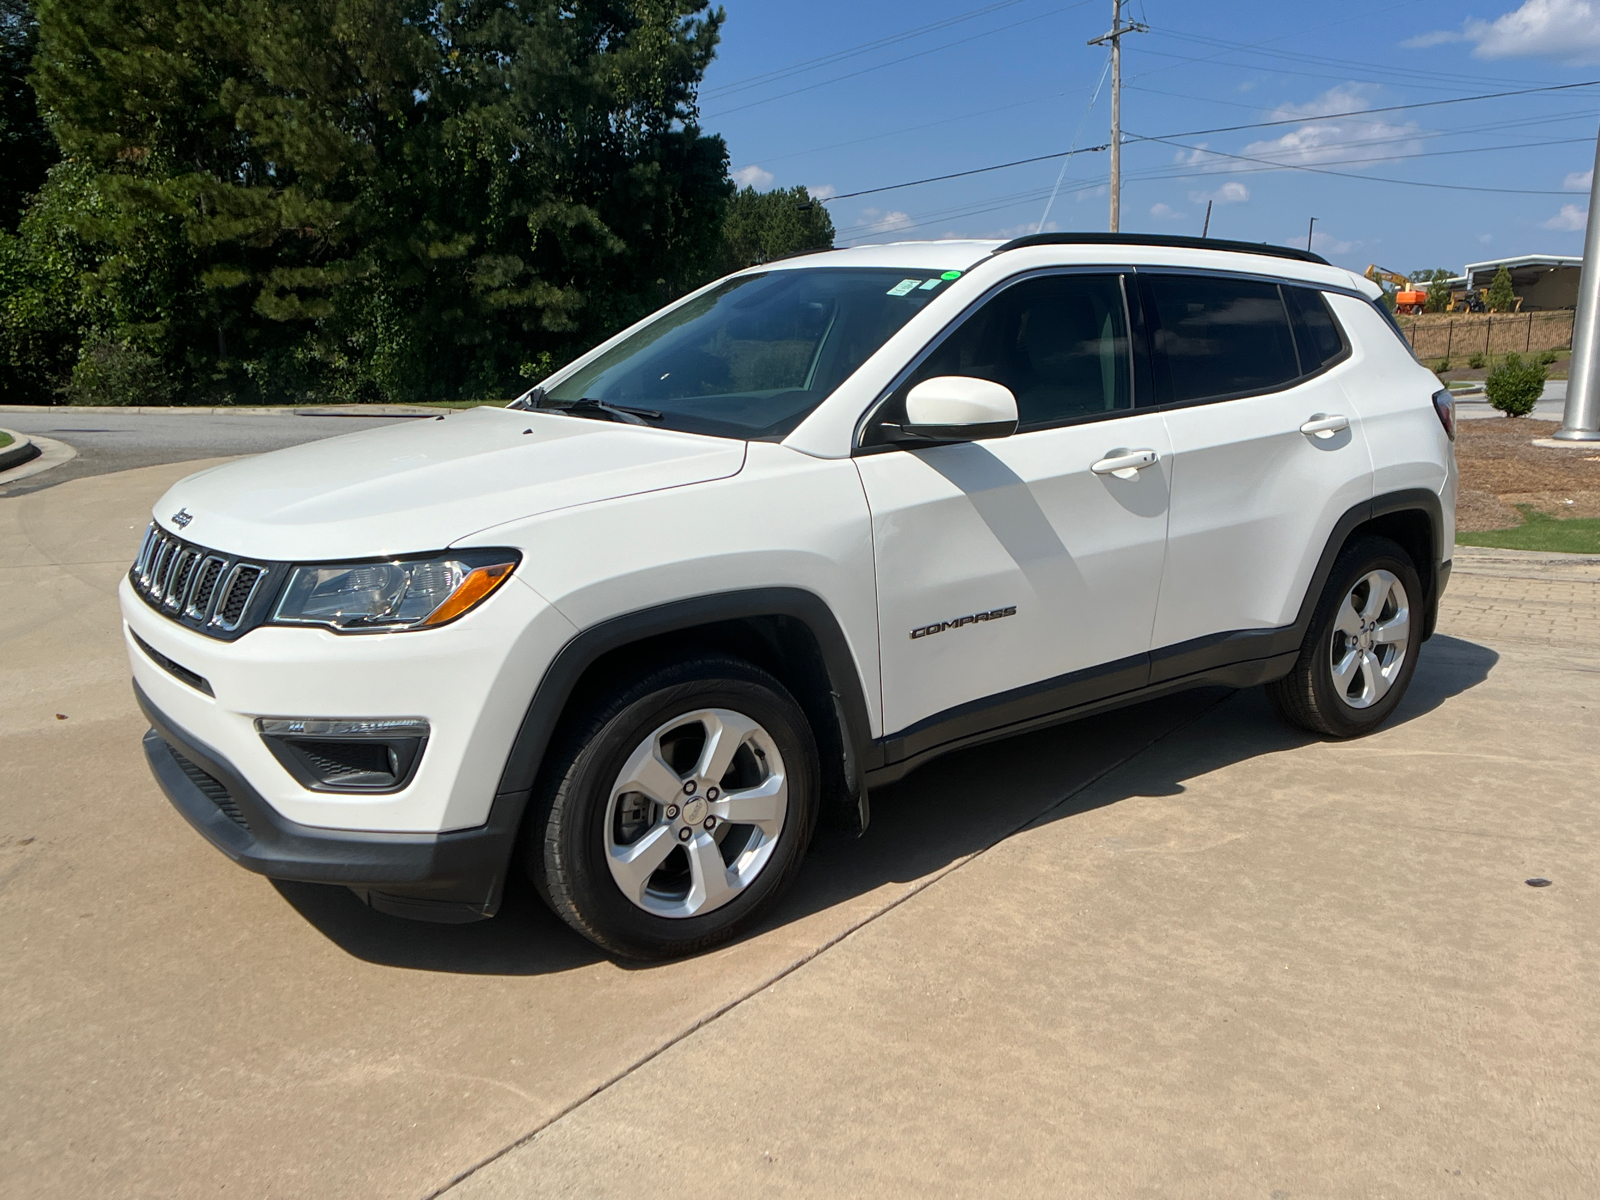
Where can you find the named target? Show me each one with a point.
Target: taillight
(1445, 405)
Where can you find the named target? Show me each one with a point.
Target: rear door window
(1216, 337)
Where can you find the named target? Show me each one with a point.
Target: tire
(634, 869)
(1353, 669)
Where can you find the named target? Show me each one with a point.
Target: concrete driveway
(1176, 950)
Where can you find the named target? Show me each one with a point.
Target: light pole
(1580, 421)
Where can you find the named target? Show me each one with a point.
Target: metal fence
(1455, 336)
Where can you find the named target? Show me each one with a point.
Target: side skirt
(1070, 703)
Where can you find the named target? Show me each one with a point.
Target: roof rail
(1160, 239)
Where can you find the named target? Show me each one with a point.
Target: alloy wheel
(695, 812)
(1371, 633)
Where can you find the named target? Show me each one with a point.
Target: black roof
(1160, 239)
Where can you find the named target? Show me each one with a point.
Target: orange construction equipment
(1408, 298)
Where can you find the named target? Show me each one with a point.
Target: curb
(20, 451)
(324, 410)
(50, 453)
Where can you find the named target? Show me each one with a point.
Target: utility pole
(1205, 229)
(1580, 422)
(1115, 38)
(1309, 229)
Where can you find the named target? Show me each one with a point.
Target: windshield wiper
(617, 412)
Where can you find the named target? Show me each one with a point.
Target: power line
(938, 216)
(810, 87)
(1450, 187)
(827, 60)
(1304, 120)
(975, 171)
(1363, 112)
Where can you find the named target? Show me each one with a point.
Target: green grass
(5, 440)
(1542, 532)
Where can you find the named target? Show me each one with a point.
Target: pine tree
(762, 226)
(402, 199)
(26, 147)
(1500, 297)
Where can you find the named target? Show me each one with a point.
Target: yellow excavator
(1408, 298)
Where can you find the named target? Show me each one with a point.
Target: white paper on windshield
(904, 286)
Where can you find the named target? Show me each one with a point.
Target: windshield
(752, 356)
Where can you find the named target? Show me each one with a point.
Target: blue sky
(1008, 79)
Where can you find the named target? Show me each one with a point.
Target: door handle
(1125, 464)
(1324, 426)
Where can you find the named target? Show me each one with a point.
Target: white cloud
(1325, 244)
(1232, 192)
(1343, 140)
(1486, 238)
(1570, 219)
(1579, 181)
(821, 191)
(1015, 231)
(1567, 31)
(876, 220)
(753, 176)
(1165, 212)
(1438, 37)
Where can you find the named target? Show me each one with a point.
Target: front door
(1019, 575)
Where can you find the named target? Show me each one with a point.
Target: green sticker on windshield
(904, 286)
(951, 275)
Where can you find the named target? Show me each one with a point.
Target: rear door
(1268, 453)
(1005, 565)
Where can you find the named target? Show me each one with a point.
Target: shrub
(1514, 386)
(1549, 356)
(1475, 360)
(1500, 297)
(116, 373)
(1441, 366)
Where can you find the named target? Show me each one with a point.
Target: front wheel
(679, 810)
(1361, 650)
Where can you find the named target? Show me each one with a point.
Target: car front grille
(207, 590)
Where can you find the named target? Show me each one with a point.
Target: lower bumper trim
(452, 876)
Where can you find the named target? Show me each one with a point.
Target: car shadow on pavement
(936, 816)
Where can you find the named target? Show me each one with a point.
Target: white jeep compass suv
(788, 538)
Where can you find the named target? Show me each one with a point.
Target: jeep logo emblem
(182, 517)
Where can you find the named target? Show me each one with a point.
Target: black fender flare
(1432, 572)
(561, 678)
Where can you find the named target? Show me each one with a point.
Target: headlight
(417, 593)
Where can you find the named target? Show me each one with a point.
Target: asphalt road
(1178, 950)
(110, 441)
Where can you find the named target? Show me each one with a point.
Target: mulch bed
(1500, 468)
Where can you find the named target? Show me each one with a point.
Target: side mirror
(956, 408)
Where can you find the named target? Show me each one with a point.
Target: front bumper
(452, 877)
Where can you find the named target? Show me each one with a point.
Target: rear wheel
(1361, 650)
(679, 811)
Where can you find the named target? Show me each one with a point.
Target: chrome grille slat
(208, 591)
(207, 574)
(176, 592)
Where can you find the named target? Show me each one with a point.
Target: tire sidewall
(1370, 555)
(586, 794)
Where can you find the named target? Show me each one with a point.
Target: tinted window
(1217, 337)
(1059, 342)
(1316, 333)
(754, 355)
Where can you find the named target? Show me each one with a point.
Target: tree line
(245, 201)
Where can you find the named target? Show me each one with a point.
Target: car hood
(426, 483)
